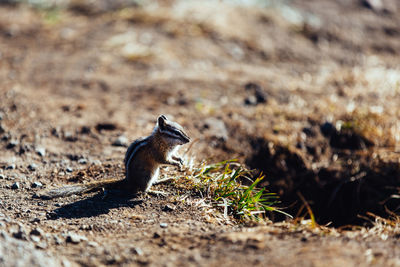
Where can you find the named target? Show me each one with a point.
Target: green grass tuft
(224, 183)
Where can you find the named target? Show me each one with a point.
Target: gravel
(41, 151)
(15, 185)
(15, 252)
(120, 141)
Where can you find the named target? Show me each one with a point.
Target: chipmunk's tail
(77, 189)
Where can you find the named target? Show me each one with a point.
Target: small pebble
(156, 235)
(2, 176)
(68, 136)
(12, 144)
(42, 245)
(120, 141)
(169, 207)
(3, 234)
(35, 220)
(5, 137)
(32, 167)
(96, 162)
(37, 231)
(86, 227)
(82, 161)
(93, 244)
(251, 100)
(20, 235)
(58, 240)
(66, 263)
(41, 151)
(69, 169)
(35, 238)
(74, 238)
(85, 130)
(163, 225)
(37, 184)
(137, 251)
(15, 185)
(10, 167)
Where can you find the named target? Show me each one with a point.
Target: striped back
(133, 148)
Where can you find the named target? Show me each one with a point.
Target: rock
(35, 238)
(58, 240)
(257, 94)
(68, 136)
(55, 132)
(216, 128)
(95, 162)
(2, 176)
(41, 151)
(376, 5)
(156, 235)
(163, 225)
(10, 167)
(121, 141)
(169, 207)
(82, 161)
(5, 137)
(20, 235)
(106, 126)
(86, 227)
(12, 144)
(37, 231)
(73, 157)
(75, 238)
(251, 100)
(85, 130)
(32, 167)
(137, 251)
(23, 148)
(37, 184)
(35, 220)
(15, 185)
(384, 6)
(93, 244)
(69, 169)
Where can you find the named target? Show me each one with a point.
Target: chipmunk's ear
(161, 122)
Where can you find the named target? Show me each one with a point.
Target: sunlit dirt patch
(340, 181)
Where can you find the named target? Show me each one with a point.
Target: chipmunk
(142, 162)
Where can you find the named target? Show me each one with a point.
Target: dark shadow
(94, 206)
(349, 185)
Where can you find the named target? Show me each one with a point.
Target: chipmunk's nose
(186, 139)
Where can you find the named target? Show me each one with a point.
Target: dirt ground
(306, 92)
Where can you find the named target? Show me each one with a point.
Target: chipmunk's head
(172, 131)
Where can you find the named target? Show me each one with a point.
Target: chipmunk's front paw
(178, 162)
